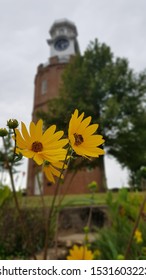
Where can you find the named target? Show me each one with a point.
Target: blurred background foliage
(105, 88)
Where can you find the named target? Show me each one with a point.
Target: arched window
(44, 85)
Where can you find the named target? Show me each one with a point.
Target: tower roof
(61, 23)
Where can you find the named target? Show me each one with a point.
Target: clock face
(61, 44)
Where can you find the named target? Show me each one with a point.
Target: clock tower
(63, 45)
(63, 42)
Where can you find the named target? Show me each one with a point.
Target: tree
(107, 89)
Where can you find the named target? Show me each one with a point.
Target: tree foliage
(107, 89)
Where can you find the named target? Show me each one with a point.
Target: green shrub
(17, 240)
(112, 241)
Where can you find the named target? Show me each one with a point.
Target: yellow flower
(52, 169)
(80, 253)
(97, 254)
(41, 146)
(81, 137)
(138, 236)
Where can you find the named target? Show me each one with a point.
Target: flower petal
(48, 174)
(91, 129)
(90, 152)
(48, 133)
(83, 125)
(25, 134)
(38, 158)
(93, 141)
(21, 143)
(75, 121)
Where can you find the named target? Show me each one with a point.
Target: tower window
(37, 190)
(61, 31)
(44, 87)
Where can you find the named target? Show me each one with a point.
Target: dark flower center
(78, 139)
(37, 147)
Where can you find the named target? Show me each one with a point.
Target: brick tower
(63, 45)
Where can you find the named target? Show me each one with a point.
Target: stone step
(76, 238)
(64, 244)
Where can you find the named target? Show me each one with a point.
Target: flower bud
(3, 132)
(120, 257)
(93, 186)
(86, 229)
(12, 123)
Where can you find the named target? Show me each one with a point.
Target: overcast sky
(24, 26)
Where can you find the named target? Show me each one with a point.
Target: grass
(71, 200)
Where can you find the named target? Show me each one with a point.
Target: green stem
(11, 177)
(41, 192)
(57, 218)
(9, 166)
(90, 211)
(51, 211)
(135, 227)
(63, 195)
